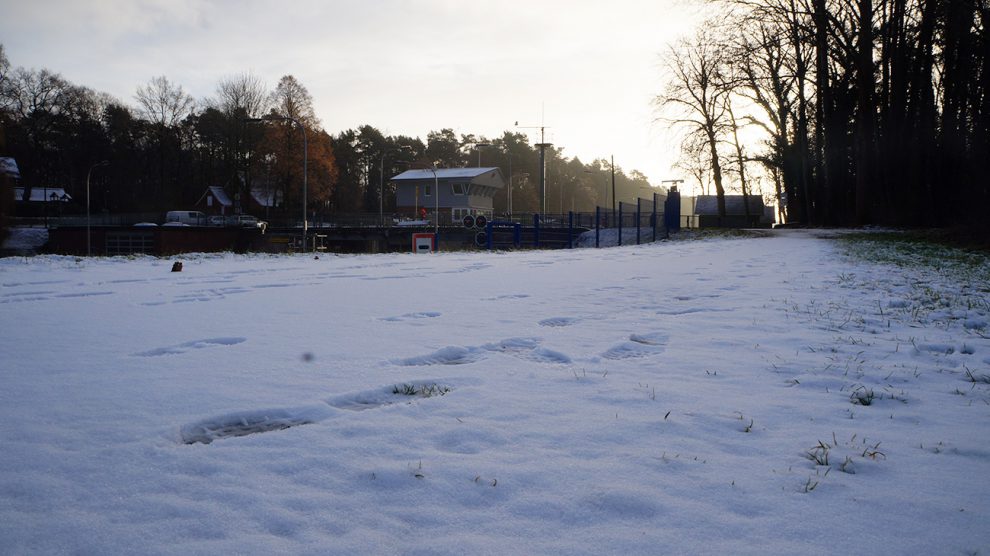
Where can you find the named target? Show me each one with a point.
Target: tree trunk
(823, 114)
(717, 173)
(739, 156)
(865, 115)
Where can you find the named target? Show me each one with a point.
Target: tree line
(165, 148)
(868, 111)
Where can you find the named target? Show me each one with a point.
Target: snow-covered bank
(759, 395)
(24, 241)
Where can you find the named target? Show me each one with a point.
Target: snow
(25, 240)
(744, 396)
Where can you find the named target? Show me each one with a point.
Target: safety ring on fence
(480, 239)
(468, 221)
(480, 221)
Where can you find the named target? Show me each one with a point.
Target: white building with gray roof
(462, 191)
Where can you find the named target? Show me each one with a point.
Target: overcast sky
(588, 70)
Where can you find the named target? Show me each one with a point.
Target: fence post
(598, 225)
(570, 229)
(620, 223)
(654, 220)
(639, 217)
(536, 230)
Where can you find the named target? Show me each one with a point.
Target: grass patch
(719, 233)
(929, 249)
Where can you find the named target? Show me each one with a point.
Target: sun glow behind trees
(870, 112)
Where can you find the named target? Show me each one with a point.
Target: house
(736, 215)
(462, 191)
(264, 200)
(215, 201)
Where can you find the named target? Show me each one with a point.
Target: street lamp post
(305, 166)
(477, 147)
(436, 197)
(521, 175)
(509, 192)
(88, 174)
(381, 181)
(436, 207)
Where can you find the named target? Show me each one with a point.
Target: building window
(457, 188)
(426, 190)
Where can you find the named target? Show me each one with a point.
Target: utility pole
(613, 186)
(543, 170)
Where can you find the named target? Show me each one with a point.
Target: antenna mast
(543, 169)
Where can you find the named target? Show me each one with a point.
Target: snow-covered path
(737, 396)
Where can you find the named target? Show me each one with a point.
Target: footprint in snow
(187, 346)
(689, 310)
(650, 338)
(513, 345)
(523, 348)
(248, 422)
(544, 355)
(450, 355)
(529, 349)
(244, 423)
(558, 322)
(639, 345)
(508, 296)
(412, 316)
(371, 399)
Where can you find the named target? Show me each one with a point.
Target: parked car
(217, 220)
(187, 217)
(247, 221)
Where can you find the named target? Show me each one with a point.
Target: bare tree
(246, 93)
(696, 99)
(35, 92)
(4, 79)
(767, 79)
(164, 103)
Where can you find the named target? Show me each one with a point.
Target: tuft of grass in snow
(819, 454)
(826, 455)
(420, 390)
(862, 396)
(977, 378)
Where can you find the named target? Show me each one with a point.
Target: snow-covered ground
(733, 396)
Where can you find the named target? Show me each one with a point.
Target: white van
(187, 217)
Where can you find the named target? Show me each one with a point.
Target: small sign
(423, 243)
